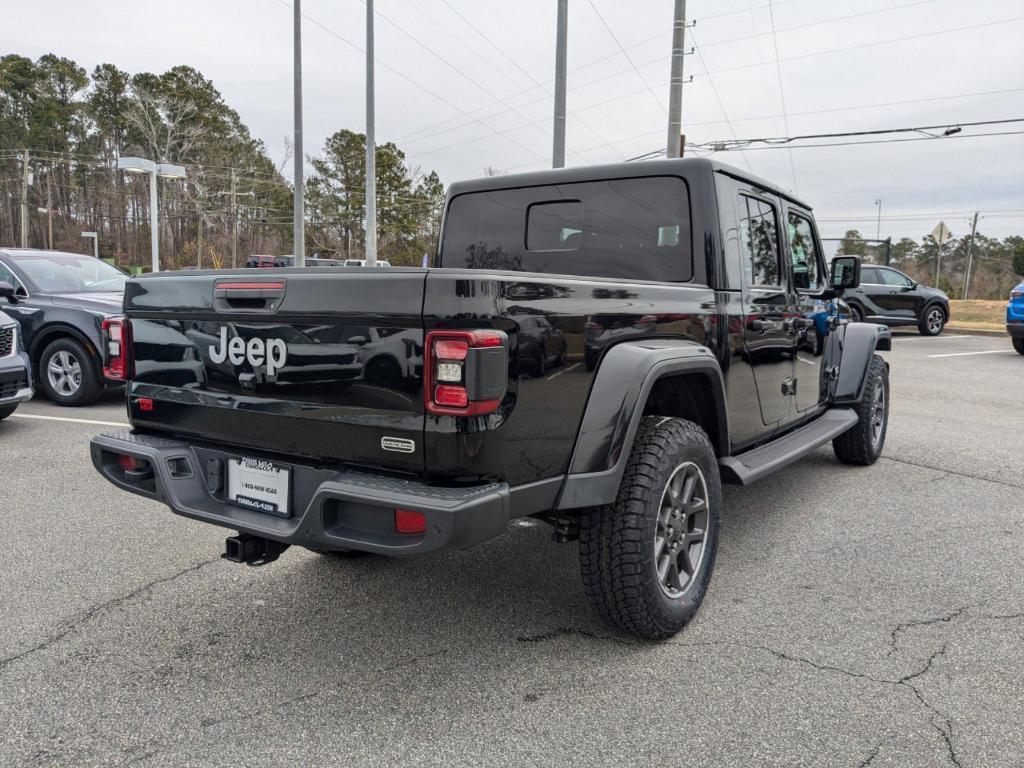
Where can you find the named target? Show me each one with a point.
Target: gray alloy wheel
(879, 406)
(933, 322)
(64, 372)
(681, 534)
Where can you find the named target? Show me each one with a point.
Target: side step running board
(746, 468)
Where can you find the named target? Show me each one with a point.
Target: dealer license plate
(259, 484)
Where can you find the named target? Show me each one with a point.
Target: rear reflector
(408, 521)
(126, 462)
(452, 397)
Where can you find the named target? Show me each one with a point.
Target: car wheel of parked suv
(932, 322)
(68, 374)
(647, 559)
(1018, 344)
(863, 443)
(856, 316)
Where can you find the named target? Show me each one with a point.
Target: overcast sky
(466, 84)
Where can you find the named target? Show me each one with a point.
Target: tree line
(62, 130)
(996, 265)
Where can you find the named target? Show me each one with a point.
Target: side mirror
(845, 273)
(357, 340)
(7, 292)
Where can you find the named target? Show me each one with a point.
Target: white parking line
(564, 370)
(904, 337)
(71, 421)
(966, 354)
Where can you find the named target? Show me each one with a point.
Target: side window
(6, 276)
(870, 276)
(759, 239)
(892, 277)
(803, 253)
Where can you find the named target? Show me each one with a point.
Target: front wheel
(1018, 344)
(932, 322)
(68, 374)
(647, 559)
(862, 443)
(856, 316)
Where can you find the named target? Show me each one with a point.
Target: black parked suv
(888, 296)
(719, 278)
(61, 301)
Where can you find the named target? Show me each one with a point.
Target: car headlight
(1016, 293)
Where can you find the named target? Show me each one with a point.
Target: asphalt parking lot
(857, 616)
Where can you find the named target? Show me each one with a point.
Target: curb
(975, 331)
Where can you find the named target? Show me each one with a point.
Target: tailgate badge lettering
(398, 444)
(272, 352)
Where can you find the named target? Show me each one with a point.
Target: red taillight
(408, 521)
(126, 462)
(452, 397)
(117, 339)
(465, 373)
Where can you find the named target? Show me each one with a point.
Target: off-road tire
(91, 385)
(859, 445)
(617, 542)
(1018, 344)
(932, 322)
(7, 410)
(856, 313)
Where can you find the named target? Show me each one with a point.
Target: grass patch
(978, 312)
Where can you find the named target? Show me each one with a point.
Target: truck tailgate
(320, 363)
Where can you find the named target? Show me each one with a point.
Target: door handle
(761, 326)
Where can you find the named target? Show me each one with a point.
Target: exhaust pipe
(252, 550)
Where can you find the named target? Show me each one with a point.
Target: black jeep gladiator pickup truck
(389, 410)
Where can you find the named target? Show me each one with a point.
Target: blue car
(1015, 318)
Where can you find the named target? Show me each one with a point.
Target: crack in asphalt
(99, 608)
(952, 472)
(871, 758)
(942, 724)
(903, 626)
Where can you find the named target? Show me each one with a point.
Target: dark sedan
(889, 297)
(60, 300)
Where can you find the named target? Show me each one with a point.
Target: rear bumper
(330, 509)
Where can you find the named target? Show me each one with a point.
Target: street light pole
(371, 147)
(168, 171)
(561, 40)
(878, 226)
(299, 211)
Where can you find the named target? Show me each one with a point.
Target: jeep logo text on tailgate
(273, 352)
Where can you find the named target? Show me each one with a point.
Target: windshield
(72, 274)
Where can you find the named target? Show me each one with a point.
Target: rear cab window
(630, 229)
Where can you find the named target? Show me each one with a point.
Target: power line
(782, 91)
(628, 57)
(718, 97)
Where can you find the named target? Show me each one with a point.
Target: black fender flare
(860, 340)
(627, 373)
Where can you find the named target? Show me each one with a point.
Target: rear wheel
(932, 321)
(647, 559)
(7, 410)
(68, 374)
(863, 443)
(1018, 344)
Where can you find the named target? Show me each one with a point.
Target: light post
(95, 242)
(878, 226)
(166, 170)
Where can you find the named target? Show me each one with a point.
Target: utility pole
(970, 254)
(24, 198)
(154, 223)
(199, 240)
(675, 92)
(49, 209)
(561, 39)
(234, 193)
(878, 225)
(299, 212)
(371, 147)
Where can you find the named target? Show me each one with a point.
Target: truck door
(768, 341)
(810, 325)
